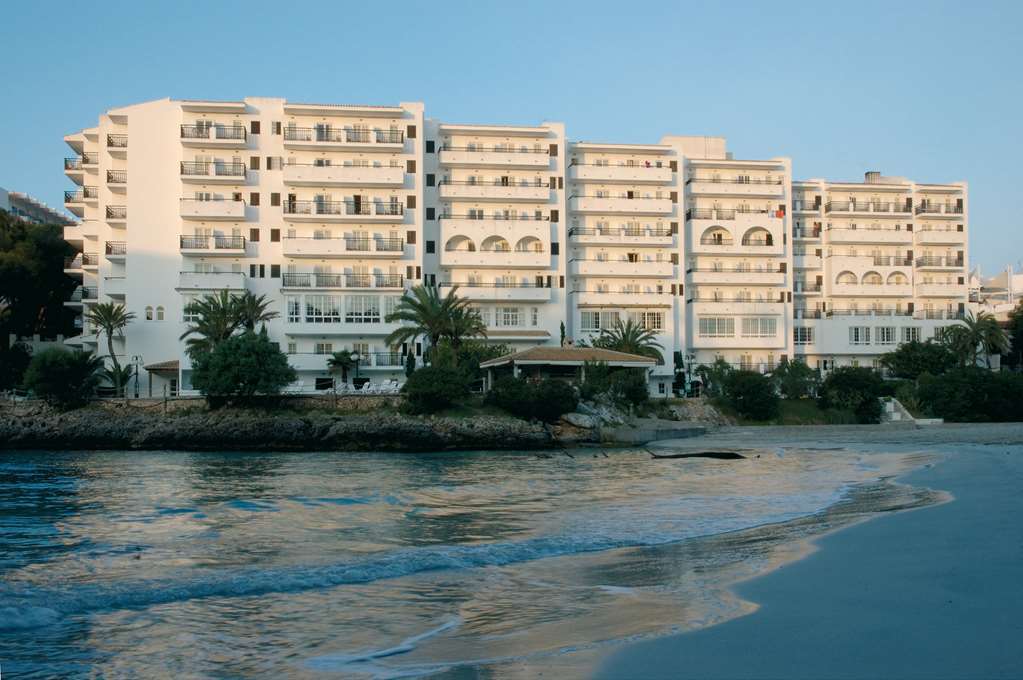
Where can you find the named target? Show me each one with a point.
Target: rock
(580, 420)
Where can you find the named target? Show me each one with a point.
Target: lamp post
(356, 357)
(137, 361)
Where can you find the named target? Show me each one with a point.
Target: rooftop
(570, 356)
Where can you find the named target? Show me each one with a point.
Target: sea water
(377, 565)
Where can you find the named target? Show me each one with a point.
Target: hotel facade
(333, 211)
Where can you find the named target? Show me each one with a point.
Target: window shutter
(909, 226)
(674, 197)
(408, 272)
(254, 198)
(277, 128)
(674, 228)
(431, 246)
(275, 271)
(410, 167)
(254, 127)
(254, 235)
(410, 238)
(419, 273)
(673, 165)
(674, 258)
(554, 216)
(410, 201)
(262, 271)
(275, 235)
(674, 289)
(431, 213)
(429, 146)
(550, 280)
(554, 151)
(539, 282)
(561, 282)
(275, 199)
(411, 132)
(431, 179)
(252, 271)
(254, 163)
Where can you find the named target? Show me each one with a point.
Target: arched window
(159, 313)
(149, 313)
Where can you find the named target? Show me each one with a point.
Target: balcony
(890, 236)
(211, 281)
(117, 145)
(871, 290)
(760, 187)
(804, 288)
(77, 233)
(620, 174)
(343, 211)
(941, 237)
(116, 214)
(938, 314)
(500, 292)
(327, 137)
(320, 281)
(76, 199)
(605, 205)
(725, 306)
(630, 236)
(115, 286)
(747, 246)
(806, 234)
(116, 251)
(343, 175)
(807, 261)
(476, 157)
(212, 209)
(117, 177)
(868, 208)
(213, 135)
(938, 262)
(943, 290)
(806, 206)
(873, 312)
(215, 172)
(349, 246)
(228, 246)
(81, 295)
(501, 259)
(83, 162)
(928, 209)
(80, 262)
(369, 361)
(736, 277)
(475, 191)
(643, 269)
(593, 298)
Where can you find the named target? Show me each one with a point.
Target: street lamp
(356, 357)
(137, 360)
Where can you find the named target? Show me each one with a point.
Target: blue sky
(929, 90)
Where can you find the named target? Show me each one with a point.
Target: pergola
(560, 362)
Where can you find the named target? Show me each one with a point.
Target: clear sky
(929, 90)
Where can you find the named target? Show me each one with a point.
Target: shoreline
(904, 596)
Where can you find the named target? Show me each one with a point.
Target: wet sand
(929, 593)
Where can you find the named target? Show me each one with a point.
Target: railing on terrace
(806, 206)
(806, 314)
(646, 165)
(495, 217)
(893, 311)
(81, 260)
(323, 280)
(479, 148)
(735, 270)
(212, 242)
(938, 261)
(84, 293)
(801, 287)
(490, 284)
(117, 212)
(758, 242)
(342, 208)
(117, 176)
(79, 195)
(631, 232)
(737, 180)
(710, 214)
(804, 233)
(348, 135)
(219, 168)
(938, 209)
(219, 131)
(117, 141)
(733, 298)
(716, 242)
(116, 248)
(940, 314)
(537, 183)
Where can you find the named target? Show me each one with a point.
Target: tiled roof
(578, 355)
(163, 366)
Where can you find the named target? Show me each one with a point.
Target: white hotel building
(332, 211)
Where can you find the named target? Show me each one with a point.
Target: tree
(974, 335)
(795, 379)
(423, 313)
(433, 389)
(546, 400)
(33, 285)
(751, 394)
(912, 359)
(65, 379)
(216, 321)
(341, 362)
(410, 363)
(992, 337)
(972, 394)
(239, 368)
(1015, 330)
(14, 360)
(713, 377)
(631, 338)
(855, 389)
(474, 352)
(111, 319)
(464, 323)
(250, 311)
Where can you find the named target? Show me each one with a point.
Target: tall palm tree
(465, 323)
(631, 338)
(975, 335)
(341, 362)
(252, 310)
(111, 319)
(216, 320)
(424, 313)
(993, 338)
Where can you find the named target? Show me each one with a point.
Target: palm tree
(111, 319)
(252, 310)
(340, 362)
(216, 320)
(993, 338)
(631, 338)
(424, 313)
(976, 334)
(465, 323)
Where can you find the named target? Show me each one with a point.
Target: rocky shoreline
(98, 428)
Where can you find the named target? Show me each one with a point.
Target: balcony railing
(497, 217)
(734, 270)
(342, 208)
(758, 242)
(237, 132)
(938, 261)
(806, 233)
(348, 135)
(806, 314)
(939, 209)
(891, 261)
(940, 314)
(733, 298)
(79, 195)
(725, 213)
(878, 311)
(479, 148)
(117, 248)
(630, 232)
(81, 260)
(736, 180)
(801, 287)
(219, 169)
(316, 280)
(716, 242)
(85, 293)
(117, 212)
(117, 176)
(491, 284)
(117, 141)
(212, 242)
(536, 183)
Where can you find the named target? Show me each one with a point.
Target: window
(716, 327)
(859, 335)
(254, 127)
(254, 198)
(759, 327)
(275, 235)
(254, 235)
(324, 348)
(322, 309)
(254, 163)
(534, 316)
(275, 271)
(159, 313)
(362, 309)
(292, 348)
(590, 322)
(294, 306)
(275, 199)
(430, 146)
(508, 316)
(186, 315)
(911, 334)
(274, 162)
(149, 313)
(802, 335)
(884, 335)
(431, 179)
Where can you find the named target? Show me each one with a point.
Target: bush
(714, 377)
(546, 400)
(796, 380)
(629, 387)
(240, 368)
(14, 362)
(913, 359)
(433, 388)
(855, 389)
(751, 394)
(63, 378)
(973, 394)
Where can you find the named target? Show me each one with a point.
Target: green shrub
(913, 359)
(796, 380)
(14, 361)
(855, 389)
(546, 400)
(239, 368)
(751, 394)
(973, 394)
(596, 379)
(714, 377)
(434, 388)
(629, 387)
(63, 378)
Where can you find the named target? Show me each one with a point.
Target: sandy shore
(931, 593)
